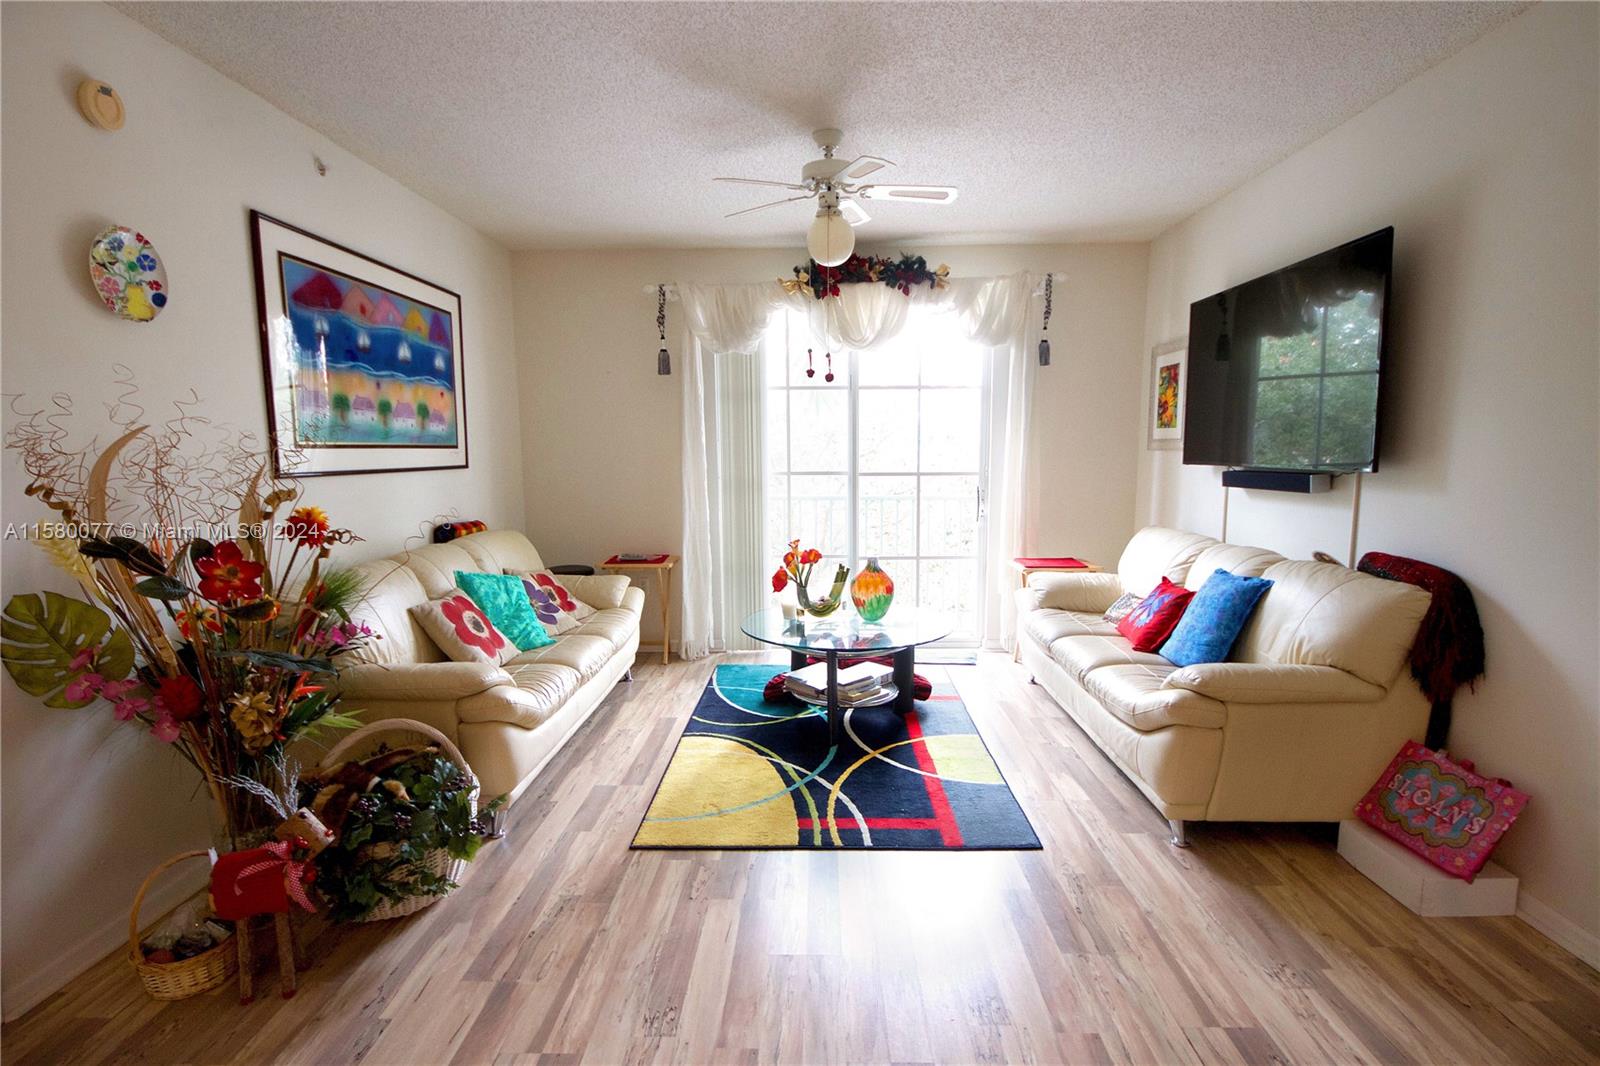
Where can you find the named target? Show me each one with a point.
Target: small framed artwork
(362, 361)
(1169, 364)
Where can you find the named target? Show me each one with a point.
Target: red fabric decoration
(1448, 651)
(1041, 562)
(1441, 809)
(260, 880)
(1149, 624)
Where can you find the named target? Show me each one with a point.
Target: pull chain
(1044, 337)
(663, 359)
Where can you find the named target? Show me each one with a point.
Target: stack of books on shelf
(861, 683)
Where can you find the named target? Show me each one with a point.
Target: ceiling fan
(836, 186)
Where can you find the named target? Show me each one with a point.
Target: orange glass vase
(872, 592)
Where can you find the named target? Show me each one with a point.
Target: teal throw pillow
(503, 599)
(1216, 616)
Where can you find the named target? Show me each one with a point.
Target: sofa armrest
(1092, 592)
(599, 590)
(419, 681)
(1273, 683)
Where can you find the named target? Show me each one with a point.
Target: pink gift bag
(1441, 810)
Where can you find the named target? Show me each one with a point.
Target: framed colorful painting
(1168, 378)
(363, 361)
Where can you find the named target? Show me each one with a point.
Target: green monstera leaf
(43, 634)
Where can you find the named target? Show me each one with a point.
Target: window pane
(819, 513)
(819, 435)
(950, 515)
(777, 525)
(950, 586)
(799, 346)
(888, 430)
(889, 365)
(1353, 334)
(1348, 424)
(887, 509)
(1296, 354)
(950, 429)
(1286, 423)
(953, 361)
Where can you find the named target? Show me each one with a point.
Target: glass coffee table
(844, 636)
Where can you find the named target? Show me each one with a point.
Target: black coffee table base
(904, 671)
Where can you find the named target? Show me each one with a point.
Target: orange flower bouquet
(797, 565)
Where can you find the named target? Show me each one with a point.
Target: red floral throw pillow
(553, 602)
(1149, 624)
(462, 631)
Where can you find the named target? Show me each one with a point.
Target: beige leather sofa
(1313, 705)
(508, 720)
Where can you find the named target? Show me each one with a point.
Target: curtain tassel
(1044, 339)
(663, 357)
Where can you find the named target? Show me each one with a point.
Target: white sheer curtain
(726, 322)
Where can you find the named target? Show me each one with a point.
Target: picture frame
(363, 362)
(1164, 400)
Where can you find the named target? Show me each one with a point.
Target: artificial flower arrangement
(902, 274)
(218, 647)
(796, 567)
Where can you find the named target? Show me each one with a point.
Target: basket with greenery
(407, 822)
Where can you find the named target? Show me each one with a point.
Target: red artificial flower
(780, 580)
(192, 620)
(226, 576)
(179, 697)
(307, 525)
(810, 555)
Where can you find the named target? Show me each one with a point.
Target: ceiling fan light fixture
(830, 239)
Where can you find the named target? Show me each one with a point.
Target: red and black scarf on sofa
(1448, 652)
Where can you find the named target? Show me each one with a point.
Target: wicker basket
(439, 861)
(186, 977)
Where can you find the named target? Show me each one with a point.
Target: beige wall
(601, 430)
(88, 806)
(1486, 167)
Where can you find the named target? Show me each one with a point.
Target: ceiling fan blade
(926, 194)
(862, 165)
(763, 207)
(853, 212)
(758, 181)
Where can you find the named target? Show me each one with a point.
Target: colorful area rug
(752, 774)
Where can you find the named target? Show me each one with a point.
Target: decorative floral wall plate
(128, 274)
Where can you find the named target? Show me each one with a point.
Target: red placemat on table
(1066, 562)
(651, 560)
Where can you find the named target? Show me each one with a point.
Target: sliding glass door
(887, 461)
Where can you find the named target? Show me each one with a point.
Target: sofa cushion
(1155, 553)
(435, 565)
(1050, 625)
(584, 653)
(1234, 558)
(1078, 655)
(540, 691)
(1156, 616)
(1136, 695)
(499, 551)
(1215, 618)
(462, 631)
(616, 624)
(1324, 614)
(389, 592)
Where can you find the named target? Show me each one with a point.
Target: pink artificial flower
(83, 660)
(115, 690)
(165, 729)
(129, 709)
(84, 687)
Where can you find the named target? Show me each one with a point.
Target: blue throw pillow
(503, 599)
(1215, 618)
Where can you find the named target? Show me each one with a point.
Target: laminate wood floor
(1258, 944)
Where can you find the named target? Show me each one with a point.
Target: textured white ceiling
(591, 125)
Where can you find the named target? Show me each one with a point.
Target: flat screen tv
(1285, 371)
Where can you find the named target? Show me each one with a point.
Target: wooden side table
(663, 571)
